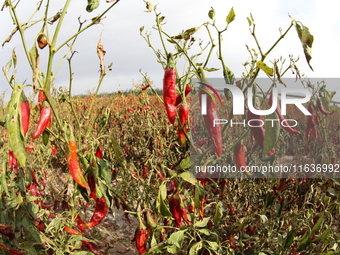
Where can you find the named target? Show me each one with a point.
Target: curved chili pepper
(44, 120)
(140, 240)
(25, 115)
(311, 123)
(183, 113)
(169, 90)
(73, 164)
(80, 223)
(99, 213)
(214, 132)
(179, 97)
(282, 119)
(239, 158)
(322, 108)
(257, 130)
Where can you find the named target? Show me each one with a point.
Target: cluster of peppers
(171, 101)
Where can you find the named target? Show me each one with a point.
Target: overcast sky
(129, 52)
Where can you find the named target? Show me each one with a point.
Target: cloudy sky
(129, 52)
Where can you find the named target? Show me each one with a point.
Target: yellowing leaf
(263, 66)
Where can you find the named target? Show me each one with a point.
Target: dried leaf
(101, 53)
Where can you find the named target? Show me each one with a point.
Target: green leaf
(184, 164)
(202, 223)
(83, 253)
(231, 16)
(317, 225)
(91, 5)
(323, 236)
(272, 132)
(263, 66)
(14, 58)
(34, 61)
(16, 140)
(211, 13)
(306, 39)
(219, 213)
(177, 238)
(188, 177)
(264, 219)
(195, 248)
(199, 194)
(119, 153)
(304, 241)
(249, 21)
(173, 249)
(289, 239)
(205, 231)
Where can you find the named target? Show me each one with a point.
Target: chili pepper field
(113, 173)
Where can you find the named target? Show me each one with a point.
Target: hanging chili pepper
(311, 123)
(12, 162)
(169, 90)
(41, 98)
(25, 114)
(183, 113)
(175, 209)
(73, 164)
(257, 129)
(215, 132)
(140, 239)
(99, 152)
(99, 213)
(80, 223)
(239, 158)
(92, 186)
(179, 97)
(281, 118)
(44, 120)
(322, 108)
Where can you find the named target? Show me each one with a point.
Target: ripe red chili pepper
(25, 114)
(175, 209)
(41, 98)
(6, 231)
(80, 223)
(99, 152)
(281, 118)
(140, 240)
(73, 163)
(12, 162)
(92, 186)
(169, 90)
(72, 231)
(179, 97)
(257, 129)
(44, 120)
(214, 132)
(99, 213)
(145, 87)
(311, 123)
(239, 158)
(183, 113)
(322, 108)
